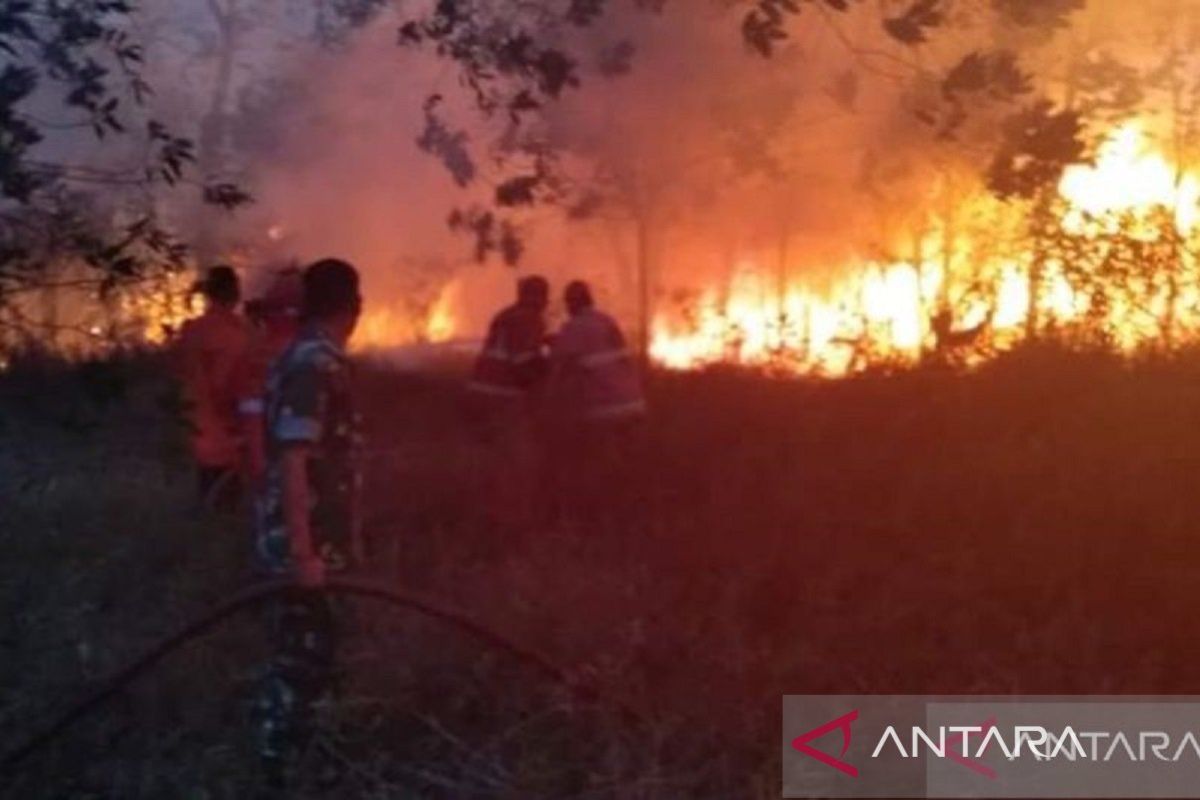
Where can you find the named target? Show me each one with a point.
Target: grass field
(1031, 527)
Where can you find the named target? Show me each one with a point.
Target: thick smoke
(680, 133)
(694, 157)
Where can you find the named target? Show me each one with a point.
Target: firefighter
(502, 396)
(596, 402)
(308, 517)
(513, 359)
(208, 354)
(276, 321)
(594, 376)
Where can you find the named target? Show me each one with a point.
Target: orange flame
(389, 326)
(882, 312)
(873, 312)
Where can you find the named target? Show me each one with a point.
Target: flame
(873, 311)
(1130, 176)
(158, 313)
(388, 326)
(882, 312)
(74, 319)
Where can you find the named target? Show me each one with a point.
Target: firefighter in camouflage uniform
(307, 515)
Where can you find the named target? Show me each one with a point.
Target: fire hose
(255, 595)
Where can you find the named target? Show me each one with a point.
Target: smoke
(687, 155)
(688, 169)
(678, 133)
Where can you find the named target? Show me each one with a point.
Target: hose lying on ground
(255, 595)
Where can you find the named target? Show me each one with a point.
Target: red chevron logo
(800, 743)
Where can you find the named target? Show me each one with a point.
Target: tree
(73, 68)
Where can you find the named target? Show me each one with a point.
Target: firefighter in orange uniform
(276, 320)
(209, 354)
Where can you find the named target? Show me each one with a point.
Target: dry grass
(1029, 528)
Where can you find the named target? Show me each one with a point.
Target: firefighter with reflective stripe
(595, 377)
(513, 359)
(275, 317)
(501, 398)
(207, 355)
(596, 409)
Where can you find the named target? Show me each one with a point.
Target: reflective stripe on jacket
(513, 358)
(598, 374)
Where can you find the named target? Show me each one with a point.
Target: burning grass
(1029, 527)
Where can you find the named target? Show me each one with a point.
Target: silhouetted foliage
(913, 26)
(994, 76)
(1038, 13)
(491, 234)
(450, 147)
(1039, 143)
(79, 59)
(516, 58)
(337, 18)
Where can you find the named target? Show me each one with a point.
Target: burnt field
(1031, 528)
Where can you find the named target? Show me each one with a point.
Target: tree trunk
(1037, 266)
(214, 128)
(645, 300)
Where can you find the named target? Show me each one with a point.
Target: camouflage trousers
(304, 632)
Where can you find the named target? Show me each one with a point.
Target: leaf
(911, 26)
(1048, 15)
(1039, 144)
(411, 33)
(518, 191)
(523, 101)
(761, 33)
(556, 71)
(226, 195)
(996, 73)
(449, 146)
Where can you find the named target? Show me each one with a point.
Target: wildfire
(384, 326)
(157, 314)
(888, 312)
(75, 320)
(875, 312)
(1132, 212)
